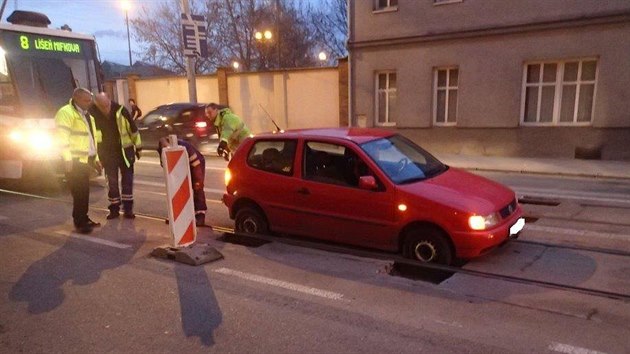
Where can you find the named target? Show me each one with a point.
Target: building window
(385, 5)
(445, 84)
(559, 92)
(386, 104)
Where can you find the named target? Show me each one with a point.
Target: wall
(298, 98)
(423, 18)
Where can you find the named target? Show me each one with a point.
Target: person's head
(103, 103)
(164, 142)
(212, 110)
(132, 102)
(82, 98)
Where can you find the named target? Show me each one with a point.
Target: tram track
(397, 259)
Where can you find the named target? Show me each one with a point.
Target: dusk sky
(104, 19)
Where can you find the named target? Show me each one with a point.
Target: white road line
(585, 233)
(281, 284)
(162, 185)
(93, 239)
(158, 162)
(569, 349)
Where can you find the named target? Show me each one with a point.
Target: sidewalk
(549, 166)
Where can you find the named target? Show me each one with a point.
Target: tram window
(8, 102)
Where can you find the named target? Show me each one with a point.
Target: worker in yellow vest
(77, 137)
(230, 127)
(120, 147)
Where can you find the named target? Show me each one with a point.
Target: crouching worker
(197, 164)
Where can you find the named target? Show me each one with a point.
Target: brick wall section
(343, 92)
(223, 86)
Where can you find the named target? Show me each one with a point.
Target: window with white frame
(559, 92)
(386, 101)
(445, 84)
(385, 5)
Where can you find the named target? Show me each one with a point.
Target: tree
(329, 26)
(231, 26)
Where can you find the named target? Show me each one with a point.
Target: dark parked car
(187, 120)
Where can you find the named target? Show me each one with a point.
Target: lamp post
(262, 37)
(127, 6)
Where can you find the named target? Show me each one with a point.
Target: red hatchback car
(367, 187)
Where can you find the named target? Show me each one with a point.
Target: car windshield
(402, 160)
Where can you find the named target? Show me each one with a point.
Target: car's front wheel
(251, 221)
(427, 245)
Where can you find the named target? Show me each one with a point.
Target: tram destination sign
(31, 44)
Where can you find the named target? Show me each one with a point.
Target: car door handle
(304, 191)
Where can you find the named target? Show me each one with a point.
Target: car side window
(333, 164)
(152, 118)
(275, 156)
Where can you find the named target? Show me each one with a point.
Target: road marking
(162, 185)
(93, 239)
(158, 162)
(281, 284)
(569, 349)
(216, 201)
(565, 231)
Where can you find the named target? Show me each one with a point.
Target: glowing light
(201, 125)
(258, 35)
(126, 5)
(268, 34)
(16, 136)
(227, 177)
(41, 141)
(322, 56)
(236, 65)
(402, 207)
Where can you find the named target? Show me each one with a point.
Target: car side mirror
(368, 183)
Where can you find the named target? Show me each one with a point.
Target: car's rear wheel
(251, 221)
(427, 245)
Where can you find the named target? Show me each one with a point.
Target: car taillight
(201, 125)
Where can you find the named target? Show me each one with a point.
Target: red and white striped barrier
(181, 210)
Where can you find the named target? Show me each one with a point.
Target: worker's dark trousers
(126, 182)
(79, 184)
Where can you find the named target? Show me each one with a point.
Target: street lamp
(322, 57)
(261, 37)
(236, 65)
(127, 6)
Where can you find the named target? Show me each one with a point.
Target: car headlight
(479, 222)
(228, 176)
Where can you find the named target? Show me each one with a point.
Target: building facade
(495, 77)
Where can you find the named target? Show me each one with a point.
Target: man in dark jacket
(197, 164)
(118, 150)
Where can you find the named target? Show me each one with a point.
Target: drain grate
(434, 276)
(243, 240)
(538, 201)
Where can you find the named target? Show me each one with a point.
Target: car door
(330, 203)
(270, 175)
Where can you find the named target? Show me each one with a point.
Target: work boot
(129, 215)
(113, 214)
(84, 228)
(200, 220)
(93, 223)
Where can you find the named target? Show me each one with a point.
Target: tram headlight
(16, 136)
(40, 141)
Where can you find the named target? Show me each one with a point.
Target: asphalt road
(62, 292)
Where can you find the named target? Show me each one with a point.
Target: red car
(367, 187)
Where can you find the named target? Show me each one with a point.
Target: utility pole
(190, 64)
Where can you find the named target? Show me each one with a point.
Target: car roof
(357, 135)
(181, 105)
